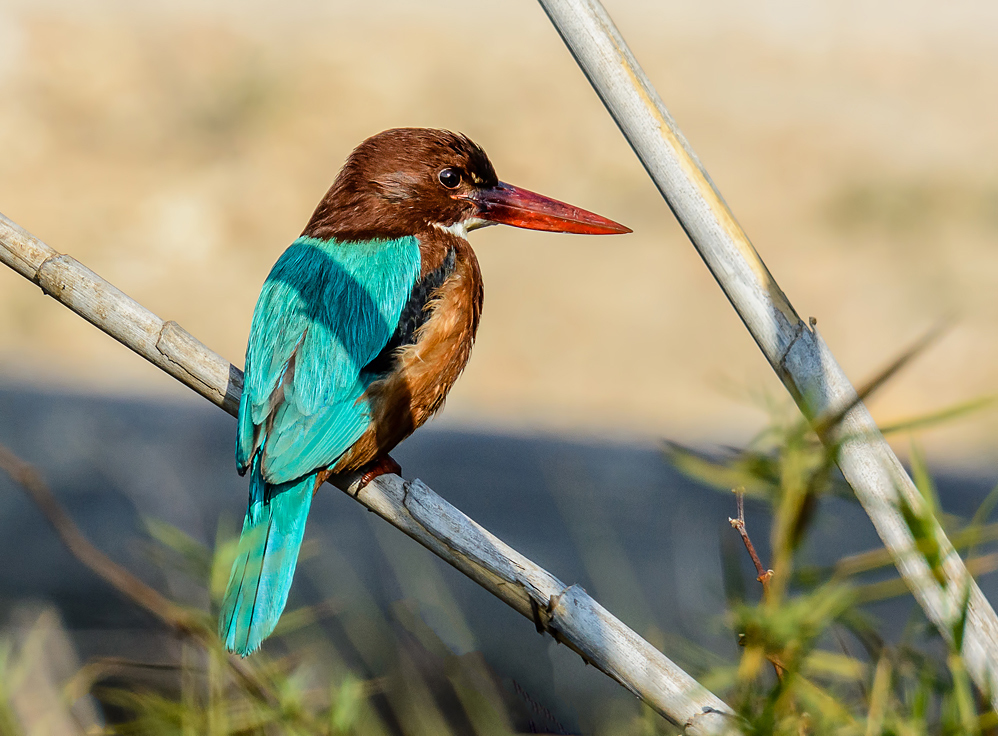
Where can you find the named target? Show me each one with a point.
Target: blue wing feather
(326, 310)
(332, 307)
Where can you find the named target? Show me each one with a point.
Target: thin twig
(175, 617)
(764, 573)
(121, 579)
(864, 694)
(739, 525)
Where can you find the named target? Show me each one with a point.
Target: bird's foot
(383, 465)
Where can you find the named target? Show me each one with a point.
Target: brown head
(406, 180)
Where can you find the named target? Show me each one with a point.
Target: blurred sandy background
(177, 148)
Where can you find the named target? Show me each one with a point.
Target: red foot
(384, 465)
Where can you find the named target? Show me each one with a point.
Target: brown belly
(425, 370)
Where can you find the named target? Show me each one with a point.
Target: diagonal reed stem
(938, 578)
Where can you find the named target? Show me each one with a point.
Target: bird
(361, 328)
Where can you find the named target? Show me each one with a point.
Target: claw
(383, 465)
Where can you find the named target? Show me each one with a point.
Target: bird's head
(403, 180)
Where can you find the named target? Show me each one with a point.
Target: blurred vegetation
(814, 659)
(328, 669)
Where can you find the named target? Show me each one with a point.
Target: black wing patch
(414, 315)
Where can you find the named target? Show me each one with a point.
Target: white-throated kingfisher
(361, 329)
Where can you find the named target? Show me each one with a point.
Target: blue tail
(265, 565)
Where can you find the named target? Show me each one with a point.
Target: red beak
(511, 205)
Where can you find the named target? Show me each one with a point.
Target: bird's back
(326, 311)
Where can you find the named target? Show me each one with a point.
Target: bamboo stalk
(568, 613)
(939, 580)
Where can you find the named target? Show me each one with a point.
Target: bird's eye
(450, 178)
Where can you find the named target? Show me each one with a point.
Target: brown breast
(425, 370)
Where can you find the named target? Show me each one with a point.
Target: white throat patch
(460, 229)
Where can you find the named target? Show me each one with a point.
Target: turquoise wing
(326, 310)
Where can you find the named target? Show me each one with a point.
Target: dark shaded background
(614, 517)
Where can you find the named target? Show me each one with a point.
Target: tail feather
(265, 561)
